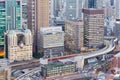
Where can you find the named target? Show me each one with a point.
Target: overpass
(110, 46)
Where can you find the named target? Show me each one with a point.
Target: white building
(51, 41)
(18, 45)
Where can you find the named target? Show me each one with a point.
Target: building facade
(117, 8)
(56, 6)
(74, 34)
(51, 41)
(38, 16)
(10, 16)
(18, 45)
(5, 70)
(116, 29)
(24, 14)
(73, 9)
(93, 27)
(58, 68)
(93, 4)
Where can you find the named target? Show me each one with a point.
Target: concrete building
(10, 16)
(73, 9)
(74, 34)
(5, 70)
(93, 4)
(51, 41)
(38, 16)
(58, 68)
(93, 27)
(56, 7)
(59, 22)
(116, 29)
(117, 8)
(116, 60)
(24, 14)
(18, 45)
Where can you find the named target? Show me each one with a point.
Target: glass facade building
(2, 21)
(10, 16)
(92, 3)
(73, 9)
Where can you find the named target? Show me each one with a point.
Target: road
(109, 47)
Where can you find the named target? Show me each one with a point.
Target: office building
(18, 45)
(5, 70)
(59, 22)
(58, 68)
(74, 34)
(5, 74)
(112, 2)
(116, 29)
(24, 14)
(73, 9)
(56, 7)
(51, 41)
(116, 60)
(10, 16)
(93, 27)
(117, 8)
(38, 16)
(93, 4)
(109, 9)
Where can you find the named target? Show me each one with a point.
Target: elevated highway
(110, 46)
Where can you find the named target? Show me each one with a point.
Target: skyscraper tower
(38, 16)
(10, 16)
(117, 8)
(93, 27)
(73, 9)
(93, 4)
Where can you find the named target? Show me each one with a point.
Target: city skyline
(59, 39)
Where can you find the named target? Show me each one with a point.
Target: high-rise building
(112, 2)
(93, 27)
(51, 41)
(74, 35)
(56, 6)
(24, 14)
(73, 9)
(117, 9)
(38, 16)
(18, 45)
(93, 4)
(5, 70)
(116, 29)
(10, 16)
